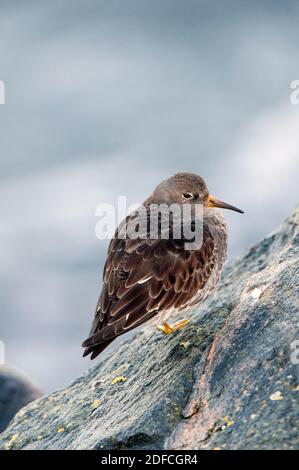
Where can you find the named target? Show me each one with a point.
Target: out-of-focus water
(108, 98)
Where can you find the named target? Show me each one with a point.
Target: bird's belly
(195, 300)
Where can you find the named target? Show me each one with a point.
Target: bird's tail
(96, 349)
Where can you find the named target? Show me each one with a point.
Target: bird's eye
(187, 195)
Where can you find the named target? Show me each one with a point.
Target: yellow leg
(170, 329)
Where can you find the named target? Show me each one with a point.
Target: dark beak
(213, 202)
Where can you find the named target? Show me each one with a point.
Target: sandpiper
(145, 277)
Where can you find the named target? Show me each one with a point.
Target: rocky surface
(230, 380)
(15, 392)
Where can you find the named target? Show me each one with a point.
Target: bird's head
(187, 188)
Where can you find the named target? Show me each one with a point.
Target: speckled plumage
(146, 278)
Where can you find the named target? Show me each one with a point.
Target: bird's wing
(144, 276)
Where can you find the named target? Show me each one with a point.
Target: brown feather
(144, 277)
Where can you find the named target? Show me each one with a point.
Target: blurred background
(107, 98)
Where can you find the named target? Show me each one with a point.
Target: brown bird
(146, 277)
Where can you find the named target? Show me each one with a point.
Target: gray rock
(15, 392)
(230, 380)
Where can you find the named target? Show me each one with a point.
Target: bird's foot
(176, 326)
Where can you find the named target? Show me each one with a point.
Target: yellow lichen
(61, 429)
(96, 403)
(229, 422)
(276, 396)
(8, 445)
(118, 379)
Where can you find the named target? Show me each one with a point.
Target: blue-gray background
(109, 97)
